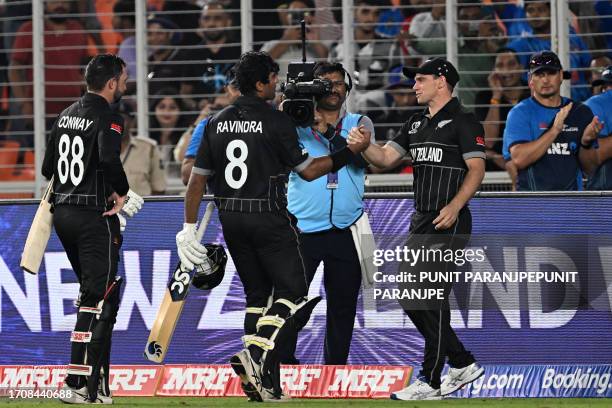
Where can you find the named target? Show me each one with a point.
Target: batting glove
(122, 222)
(133, 203)
(190, 251)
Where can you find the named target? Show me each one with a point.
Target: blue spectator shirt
(196, 137)
(579, 58)
(601, 105)
(558, 168)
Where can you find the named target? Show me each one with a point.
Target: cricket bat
(171, 307)
(38, 236)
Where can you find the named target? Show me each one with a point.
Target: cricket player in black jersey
(89, 190)
(447, 147)
(247, 151)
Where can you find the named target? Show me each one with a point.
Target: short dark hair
(253, 67)
(101, 69)
(325, 67)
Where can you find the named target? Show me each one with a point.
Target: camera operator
(326, 210)
(288, 48)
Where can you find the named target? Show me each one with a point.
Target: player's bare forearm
(381, 156)
(471, 182)
(186, 167)
(525, 154)
(317, 168)
(195, 190)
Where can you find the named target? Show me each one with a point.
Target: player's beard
(117, 96)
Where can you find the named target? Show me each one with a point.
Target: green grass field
(320, 403)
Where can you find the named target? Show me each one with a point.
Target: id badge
(332, 181)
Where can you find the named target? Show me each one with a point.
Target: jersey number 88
(67, 167)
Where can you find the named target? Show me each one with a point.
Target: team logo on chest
(426, 154)
(414, 127)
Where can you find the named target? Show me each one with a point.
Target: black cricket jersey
(249, 148)
(439, 147)
(83, 154)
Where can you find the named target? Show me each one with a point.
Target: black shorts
(92, 243)
(266, 252)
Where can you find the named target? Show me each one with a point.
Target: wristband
(341, 158)
(587, 146)
(494, 101)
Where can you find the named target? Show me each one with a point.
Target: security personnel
(141, 160)
(326, 208)
(447, 147)
(600, 106)
(548, 137)
(249, 147)
(82, 156)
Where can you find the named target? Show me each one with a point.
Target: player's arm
(309, 168)
(192, 149)
(472, 144)
(109, 147)
(48, 161)
(386, 156)
(526, 153)
(195, 190)
(190, 251)
(196, 187)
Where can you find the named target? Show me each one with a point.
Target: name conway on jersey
(83, 154)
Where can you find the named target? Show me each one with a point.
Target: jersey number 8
(236, 162)
(64, 166)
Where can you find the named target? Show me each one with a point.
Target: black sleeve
(109, 148)
(471, 137)
(49, 159)
(203, 162)
(286, 140)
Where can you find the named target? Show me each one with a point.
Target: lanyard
(329, 143)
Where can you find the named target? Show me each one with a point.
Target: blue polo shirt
(196, 138)
(579, 58)
(316, 206)
(558, 168)
(601, 105)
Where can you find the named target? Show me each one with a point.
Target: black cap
(546, 60)
(435, 66)
(606, 77)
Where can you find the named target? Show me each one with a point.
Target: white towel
(365, 245)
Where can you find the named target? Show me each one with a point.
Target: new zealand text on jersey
(426, 153)
(239, 126)
(74, 122)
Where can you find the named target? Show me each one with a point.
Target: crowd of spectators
(193, 43)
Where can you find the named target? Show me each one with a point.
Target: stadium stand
(191, 45)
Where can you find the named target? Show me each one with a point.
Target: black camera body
(300, 92)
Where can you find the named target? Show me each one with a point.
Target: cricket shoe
(250, 374)
(418, 390)
(268, 395)
(80, 396)
(457, 378)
